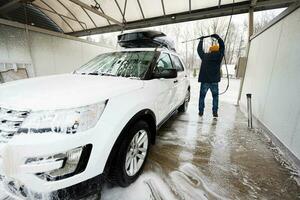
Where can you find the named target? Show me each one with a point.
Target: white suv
(76, 129)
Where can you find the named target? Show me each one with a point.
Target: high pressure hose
(225, 61)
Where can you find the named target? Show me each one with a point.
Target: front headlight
(67, 121)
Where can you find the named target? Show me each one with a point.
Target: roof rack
(144, 39)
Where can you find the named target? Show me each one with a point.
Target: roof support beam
(224, 10)
(141, 9)
(124, 12)
(83, 5)
(251, 19)
(119, 7)
(104, 14)
(251, 23)
(253, 3)
(163, 7)
(72, 15)
(97, 6)
(57, 14)
(89, 17)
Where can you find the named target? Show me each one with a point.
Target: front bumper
(81, 190)
(16, 150)
(14, 168)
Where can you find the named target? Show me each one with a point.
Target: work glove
(215, 36)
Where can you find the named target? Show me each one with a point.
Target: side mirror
(166, 73)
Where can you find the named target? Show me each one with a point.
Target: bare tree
(235, 44)
(262, 19)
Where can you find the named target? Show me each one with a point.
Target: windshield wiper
(134, 78)
(94, 73)
(101, 74)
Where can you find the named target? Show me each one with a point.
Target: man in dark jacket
(210, 74)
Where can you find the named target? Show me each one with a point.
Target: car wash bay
(194, 158)
(203, 158)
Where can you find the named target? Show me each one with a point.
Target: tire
(184, 106)
(122, 172)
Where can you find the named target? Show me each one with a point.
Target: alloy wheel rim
(136, 153)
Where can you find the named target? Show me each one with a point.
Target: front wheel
(132, 154)
(184, 106)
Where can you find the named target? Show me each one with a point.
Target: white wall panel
(50, 54)
(273, 77)
(43, 56)
(13, 46)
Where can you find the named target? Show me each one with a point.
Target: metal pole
(250, 33)
(186, 54)
(249, 109)
(251, 23)
(193, 55)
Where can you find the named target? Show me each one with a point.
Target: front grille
(10, 122)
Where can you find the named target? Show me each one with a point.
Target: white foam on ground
(4, 195)
(149, 186)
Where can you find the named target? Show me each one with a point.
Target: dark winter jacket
(211, 63)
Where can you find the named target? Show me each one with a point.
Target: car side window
(164, 62)
(177, 63)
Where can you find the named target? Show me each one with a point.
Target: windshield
(126, 64)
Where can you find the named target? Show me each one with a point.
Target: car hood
(63, 91)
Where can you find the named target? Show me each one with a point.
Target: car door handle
(176, 81)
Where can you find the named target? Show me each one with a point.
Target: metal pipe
(75, 18)
(163, 7)
(119, 7)
(89, 17)
(196, 14)
(249, 110)
(141, 9)
(251, 23)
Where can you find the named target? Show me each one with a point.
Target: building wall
(273, 77)
(44, 53)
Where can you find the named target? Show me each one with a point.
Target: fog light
(72, 158)
(75, 162)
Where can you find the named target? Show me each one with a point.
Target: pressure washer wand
(196, 39)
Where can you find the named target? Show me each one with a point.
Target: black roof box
(145, 39)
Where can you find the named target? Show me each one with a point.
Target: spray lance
(196, 39)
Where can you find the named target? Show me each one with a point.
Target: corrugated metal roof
(83, 17)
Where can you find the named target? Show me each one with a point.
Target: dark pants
(214, 88)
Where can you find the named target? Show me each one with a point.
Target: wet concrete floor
(202, 158)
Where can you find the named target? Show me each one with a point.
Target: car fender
(119, 113)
